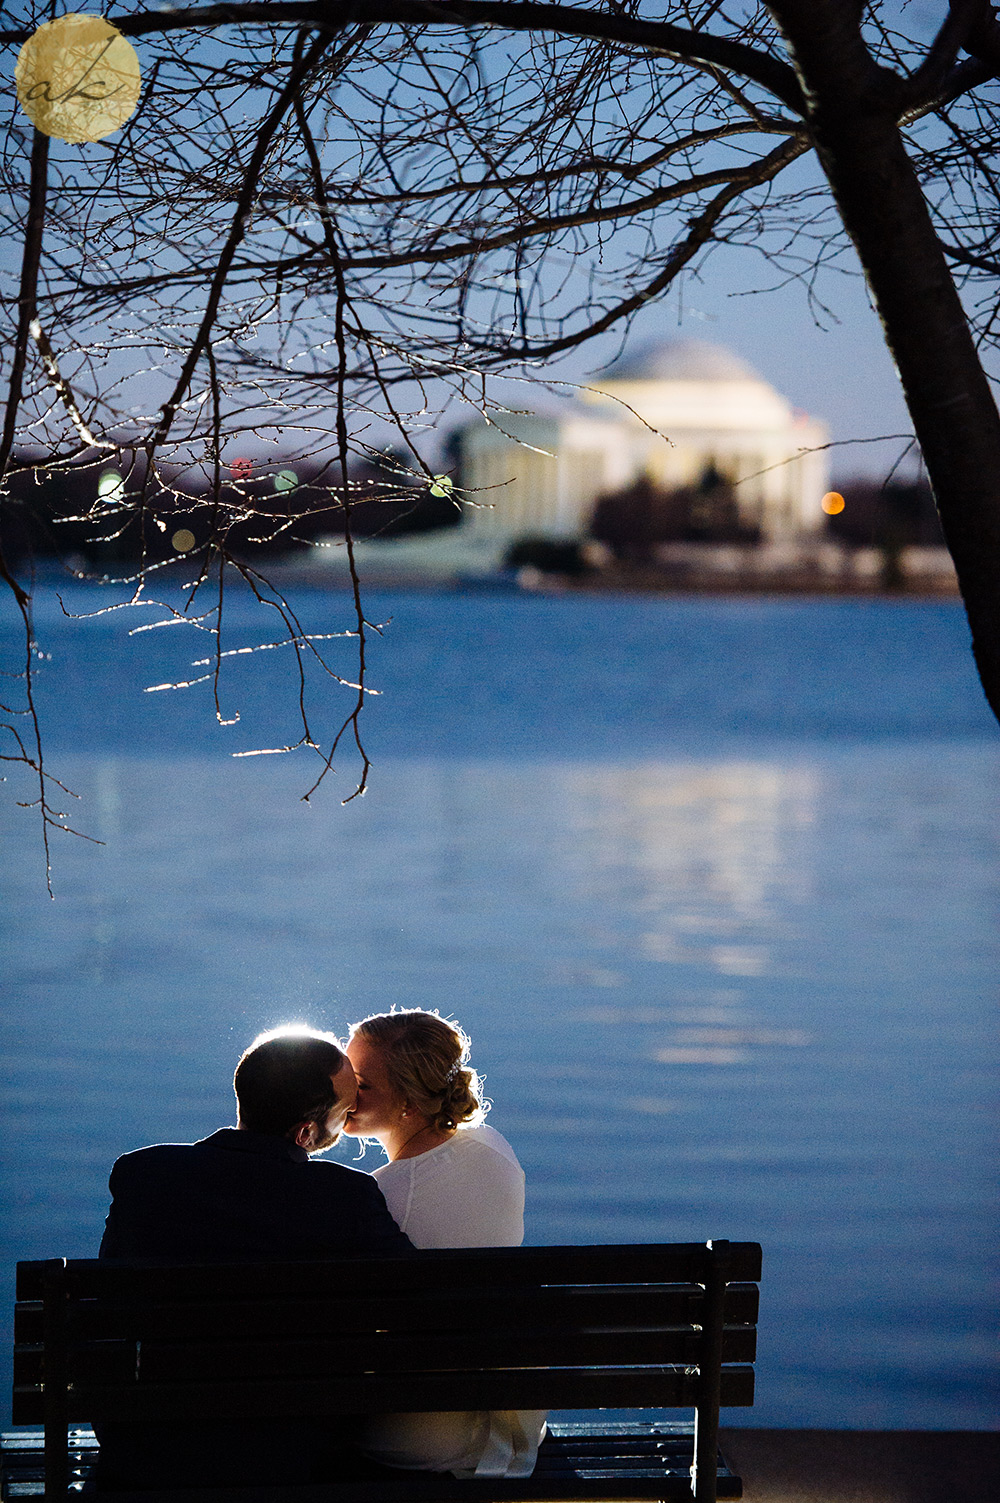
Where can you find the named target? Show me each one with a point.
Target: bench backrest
(657, 1326)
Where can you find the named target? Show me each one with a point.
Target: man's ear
(304, 1135)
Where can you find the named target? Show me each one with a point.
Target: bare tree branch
(327, 227)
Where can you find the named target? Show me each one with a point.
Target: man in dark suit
(252, 1192)
(248, 1193)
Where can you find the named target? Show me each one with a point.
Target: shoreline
(633, 583)
(291, 573)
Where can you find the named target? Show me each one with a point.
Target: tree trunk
(853, 106)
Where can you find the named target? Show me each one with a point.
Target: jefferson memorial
(668, 412)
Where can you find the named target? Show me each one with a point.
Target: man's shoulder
(321, 1172)
(157, 1153)
(223, 1139)
(157, 1158)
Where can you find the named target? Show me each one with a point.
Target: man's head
(295, 1083)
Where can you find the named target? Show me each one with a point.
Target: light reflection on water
(729, 990)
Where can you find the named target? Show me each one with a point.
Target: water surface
(712, 885)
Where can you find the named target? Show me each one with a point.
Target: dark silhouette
(246, 1194)
(634, 521)
(243, 1195)
(888, 517)
(898, 515)
(551, 555)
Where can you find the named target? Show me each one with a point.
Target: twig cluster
(323, 219)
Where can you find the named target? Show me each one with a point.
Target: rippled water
(712, 884)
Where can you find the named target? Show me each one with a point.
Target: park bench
(568, 1328)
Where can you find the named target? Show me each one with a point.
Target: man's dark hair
(283, 1079)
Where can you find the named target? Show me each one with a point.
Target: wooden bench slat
(234, 1362)
(543, 1388)
(506, 1349)
(331, 1314)
(451, 1268)
(613, 1460)
(612, 1463)
(23, 1458)
(571, 1435)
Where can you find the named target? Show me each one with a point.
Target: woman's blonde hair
(425, 1057)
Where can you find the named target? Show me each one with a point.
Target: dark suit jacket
(238, 1196)
(243, 1196)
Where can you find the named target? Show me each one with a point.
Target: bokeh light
(832, 503)
(111, 486)
(183, 540)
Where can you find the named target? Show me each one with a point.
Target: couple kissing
(257, 1192)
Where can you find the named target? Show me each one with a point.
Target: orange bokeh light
(832, 503)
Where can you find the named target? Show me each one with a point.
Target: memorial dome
(668, 412)
(679, 360)
(686, 385)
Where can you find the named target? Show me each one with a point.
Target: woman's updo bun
(426, 1059)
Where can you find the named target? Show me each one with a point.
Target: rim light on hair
(426, 1058)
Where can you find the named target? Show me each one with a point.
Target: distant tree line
(897, 515)
(272, 509)
(276, 509)
(635, 521)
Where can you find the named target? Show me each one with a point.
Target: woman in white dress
(451, 1181)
